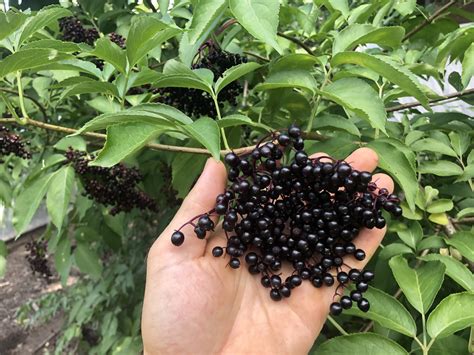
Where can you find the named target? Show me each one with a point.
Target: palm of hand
(195, 303)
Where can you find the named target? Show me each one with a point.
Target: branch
(154, 146)
(430, 19)
(414, 104)
(296, 41)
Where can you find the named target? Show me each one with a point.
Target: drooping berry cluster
(117, 39)
(115, 186)
(38, 258)
(73, 31)
(305, 213)
(11, 143)
(198, 103)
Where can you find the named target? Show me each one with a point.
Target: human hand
(194, 304)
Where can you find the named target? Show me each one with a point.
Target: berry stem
(20, 98)
(337, 326)
(218, 111)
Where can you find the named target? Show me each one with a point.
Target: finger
(200, 200)
(363, 159)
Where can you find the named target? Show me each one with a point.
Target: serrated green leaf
(259, 18)
(123, 140)
(329, 121)
(432, 242)
(28, 202)
(464, 242)
(43, 18)
(451, 315)
(360, 343)
(358, 96)
(356, 34)
(146, 33)
(88, 260)
(421, 285)
(386, 68)
(110, 52)
(205, 12)
(440, 168)
(394, 249)
(10, 21)
(454, 269)
(206, 131)
(29, 59)
(234, 73)
(432, 145)
(387, 311)
(398, 165)
(240, 120)
(440, 206)
(60, 46)
(59, 194)
(411, 234)
(88, 87)
(192, 81)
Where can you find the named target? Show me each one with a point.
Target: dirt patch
(18, 286)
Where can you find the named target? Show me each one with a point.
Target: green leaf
(88, 260)
(205, 12)
(123, 140)
(432, 242)
(468, 65)
(289, 79)
(9, 22)
(394, 249)
(191, 81)
(75, 142)
(240, 120)
(168, 112)
(110, 52)
(330, 121)
(393, 72)
(460, 142)
(464, 242)
(405, 7)
(439, 218)
(128, 116)
(340, 5)
(28, 202)
(440, 168)
(421, 285)
(466, 212)
(412, 234)
(146, 33)
(60, 46)
(43, 18)
(206, 131)
(360, 343)
(433, 145)
(387, 311)
(356, 34)
(59, 194)
(235, 73)
(358, 96)
(397, 164)
(451, 315)
(259, 18)
(62, 258)
(28, 59)
(440, 206)
(185, 170)
(454, 269)
(88, 87)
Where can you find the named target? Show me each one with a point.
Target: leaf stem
(218, 111)
(20, 96)
(337, 326)
(423, 323)
(327, 75)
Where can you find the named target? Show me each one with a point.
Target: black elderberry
(11, 143)
(303, 213)
(363, 305)
(217, 251)
(335, 308)
(177, 238)
(37, 258)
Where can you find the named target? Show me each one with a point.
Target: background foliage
(338, 68)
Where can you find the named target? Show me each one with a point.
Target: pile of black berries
(198, 103)
(305, 212)
(115, 186)
(73, 31)
(38, 258)
(11, 143)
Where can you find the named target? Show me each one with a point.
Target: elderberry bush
(11, 143)
(37, 257)
(304, 212)
(115, 186)
(197, 103)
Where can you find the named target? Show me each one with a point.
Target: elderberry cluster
(115, 186)
(305, 213)
(38, 258)
(198, 103)
(73, 31)
(12, 144)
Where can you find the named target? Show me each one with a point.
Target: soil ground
(18, 286)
